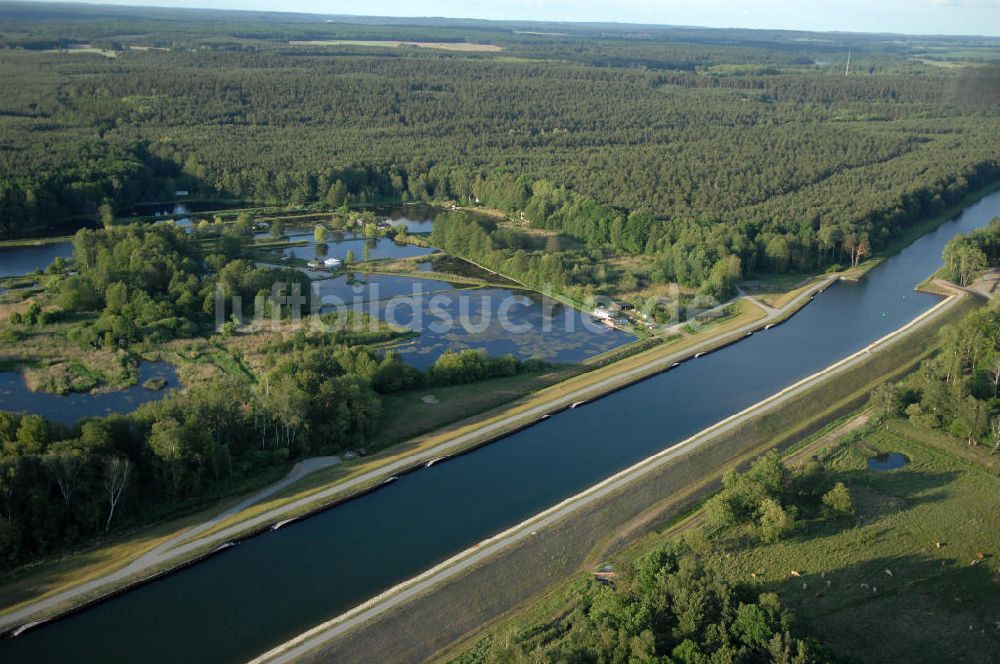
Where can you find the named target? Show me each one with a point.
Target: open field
(936, 606)
(462, 47)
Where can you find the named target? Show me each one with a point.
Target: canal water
(266, 590)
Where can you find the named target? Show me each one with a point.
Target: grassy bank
(34, 241)
(446, 613)
(936, 606)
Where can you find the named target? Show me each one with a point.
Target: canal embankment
(416, 619)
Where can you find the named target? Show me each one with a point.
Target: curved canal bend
(269, 589)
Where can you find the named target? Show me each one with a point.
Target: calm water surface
(15, 396)
(484, 318)
(16, 261)
(271, 588)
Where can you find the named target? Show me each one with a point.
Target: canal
(266, 590)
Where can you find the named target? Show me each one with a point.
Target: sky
(969, 17)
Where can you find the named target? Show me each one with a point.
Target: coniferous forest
(688, 146)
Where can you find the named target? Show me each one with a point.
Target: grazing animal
(938, 544)
(795, 573)
(828, 583)
(865, 586)
(888, 571)
(874, 589)
(805, 586)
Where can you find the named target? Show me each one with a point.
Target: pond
(418, 219)
(887, 461)
(338, 244)
(354, 288)
(500, 321)
(15, 396)
(167, 209)
(16, 261)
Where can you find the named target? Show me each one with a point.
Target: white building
(333, 263)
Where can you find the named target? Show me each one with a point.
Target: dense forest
(669, 145)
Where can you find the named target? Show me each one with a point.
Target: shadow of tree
(874, 498)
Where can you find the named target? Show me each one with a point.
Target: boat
(388, 480)
(769, 326)
(283, 523)
(26, 626)
(577, 403)
(434, 461)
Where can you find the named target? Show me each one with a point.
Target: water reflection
(17, 261)
(15, 396)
